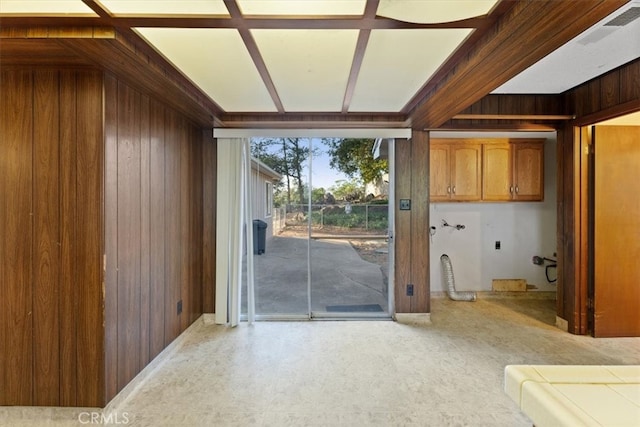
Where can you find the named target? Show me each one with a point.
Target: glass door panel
(349, 231)
(321, 237)
(280, 229)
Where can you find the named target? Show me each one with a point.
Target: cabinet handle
(454, 189)
(517, 189)
(511, 189)
(449, 189)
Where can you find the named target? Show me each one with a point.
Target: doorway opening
(608, 220)
(322, 228)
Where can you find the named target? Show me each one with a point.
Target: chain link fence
(357, 216)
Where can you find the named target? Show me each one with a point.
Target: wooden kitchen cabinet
(528, 171)
(513, 170)
(497, 173)
(455, 171)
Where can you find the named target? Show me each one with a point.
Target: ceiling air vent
(624, 18)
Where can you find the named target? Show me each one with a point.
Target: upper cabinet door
(528, 161)
(490, 170)
(439, 172)
(497, 172)
(466, 171)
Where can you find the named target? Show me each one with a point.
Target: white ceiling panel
(594, 52)
(302, 7)
(433, 11)
(165, 7)
(48, 7)
(217, 61)
(397, 63)
(310, 68)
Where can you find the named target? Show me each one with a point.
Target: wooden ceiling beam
(256, 56)
(542, 117)
(361, 46)
(216, 21)
(97, 9)
(116, 56)
(312, 119)
(526, 33)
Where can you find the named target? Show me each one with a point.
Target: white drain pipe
(451, 283)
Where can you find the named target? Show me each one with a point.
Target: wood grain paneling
(94, 219)
(129, 250)
(196, 226)
(610, 89)
(403, 226)
(526, 111)
(157, 227)
(592, 102)
(209, 176)
(420, 303)
(145, 231)
(111, 235)
(630, 82)
(412, 226)
(504, 52)
(173, 250)
(68, 301)
(89, 197)
(46, 249)
(184, 202)
(153, 227)
(16, 270)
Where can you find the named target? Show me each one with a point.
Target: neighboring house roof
(260, 167)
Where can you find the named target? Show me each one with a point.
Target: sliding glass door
(349, 230)
(322, 228)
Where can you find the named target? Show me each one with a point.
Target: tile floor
(357, 373)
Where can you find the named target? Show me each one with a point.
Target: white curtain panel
(233, 228)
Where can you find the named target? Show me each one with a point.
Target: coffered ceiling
(273, 58)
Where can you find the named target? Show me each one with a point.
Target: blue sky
(323, 175)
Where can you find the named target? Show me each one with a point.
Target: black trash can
(259, 236)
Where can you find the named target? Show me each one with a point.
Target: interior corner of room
(132, 204)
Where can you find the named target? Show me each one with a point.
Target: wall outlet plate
(405, 204)
(409, 290)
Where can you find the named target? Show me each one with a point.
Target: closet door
(616, 226)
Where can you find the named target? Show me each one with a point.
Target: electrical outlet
(180, 307)
(405, 204)
(409, 290)
(497, 245)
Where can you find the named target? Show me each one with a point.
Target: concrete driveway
(341, 280)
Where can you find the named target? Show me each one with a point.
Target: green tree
(317, 195)
(354, 157)
(347, 190)
(288, 157)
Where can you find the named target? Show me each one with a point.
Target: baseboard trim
(209, 318)
(562, 324)
(148, 370)
(413, 318)
(17, 415)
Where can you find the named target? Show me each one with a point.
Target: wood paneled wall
(615, 93)
(524, 105)
(51, 157)
(412, 226)
(209, 185)
(153, 229)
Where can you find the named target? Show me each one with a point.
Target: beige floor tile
(356, 373)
